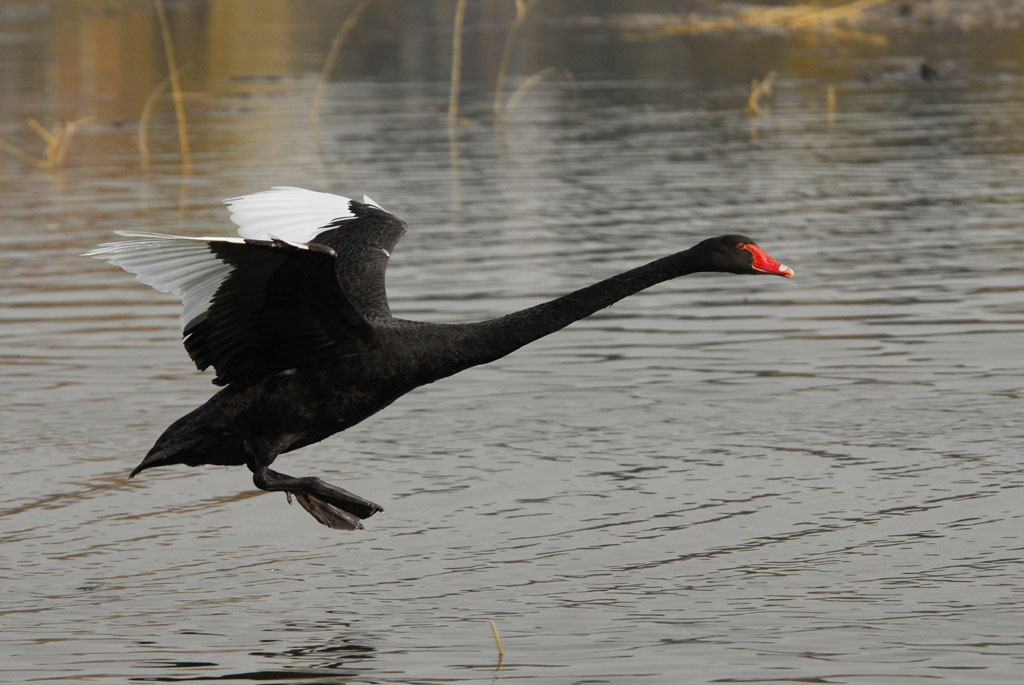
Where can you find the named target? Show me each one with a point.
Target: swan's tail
(189, 441)
(165, 455)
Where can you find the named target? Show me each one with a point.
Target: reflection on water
(720, 479)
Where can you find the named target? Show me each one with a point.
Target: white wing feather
(171, 264)
(295, 215)
(186, 267)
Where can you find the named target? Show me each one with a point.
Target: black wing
(254, 306)
(278, 307)
(363, 245)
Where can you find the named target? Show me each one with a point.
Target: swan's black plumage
(301, 334)
(283, 306)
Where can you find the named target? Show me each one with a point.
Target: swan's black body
(303, 339)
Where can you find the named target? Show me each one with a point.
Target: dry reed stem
(453, 99)
(172, 69)
(757, 90)
(456, 77)
(531, 82)
(497, 638)
(332, 54)
(58, 142)
(57, 150)
(830, 104)
(523, 9)
(147, 114)
(23, 156)
(49, 138)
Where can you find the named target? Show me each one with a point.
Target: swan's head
(739, 254)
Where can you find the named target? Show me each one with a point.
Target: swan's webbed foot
(330, 505)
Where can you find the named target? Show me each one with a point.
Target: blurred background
(722, 479)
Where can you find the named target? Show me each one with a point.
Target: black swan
(294, 319)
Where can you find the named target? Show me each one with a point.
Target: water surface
(722, 479)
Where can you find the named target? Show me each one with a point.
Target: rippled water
(722, 479)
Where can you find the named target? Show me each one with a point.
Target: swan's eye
(740, 246)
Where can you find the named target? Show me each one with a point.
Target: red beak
(765, 264)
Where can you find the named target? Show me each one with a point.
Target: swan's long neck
(486, 341)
